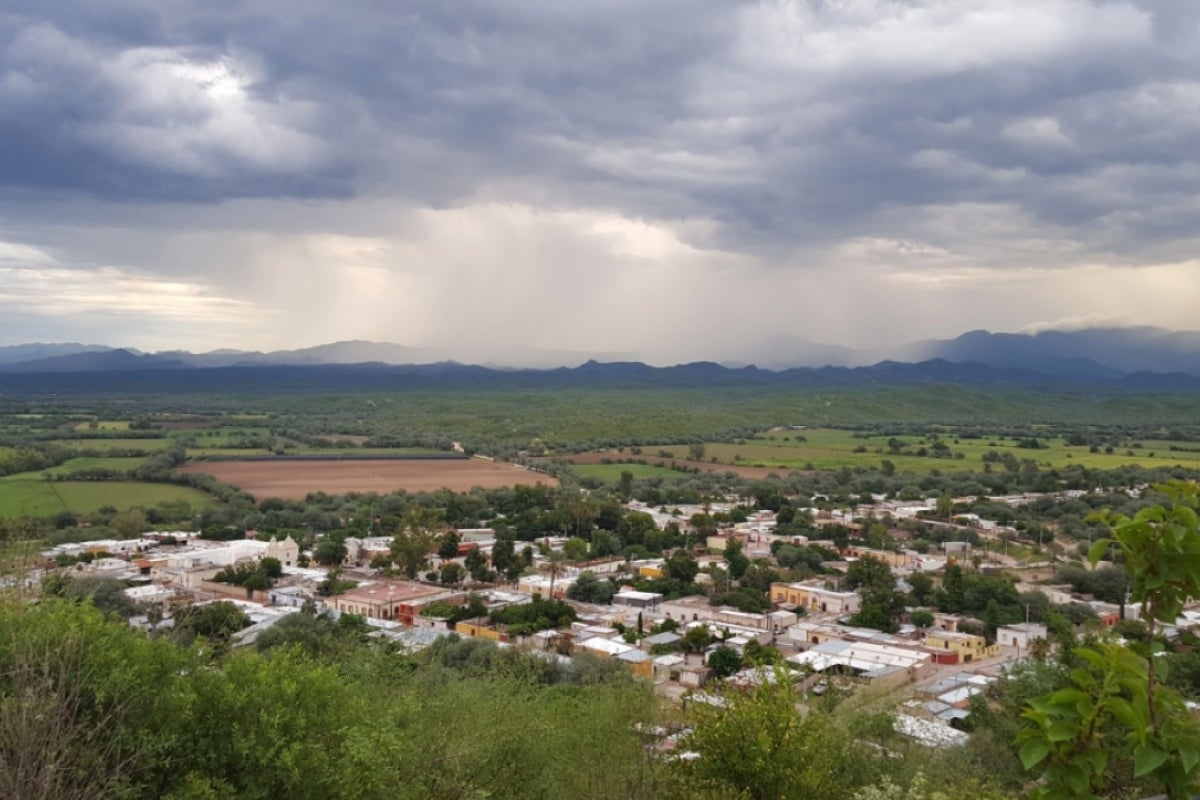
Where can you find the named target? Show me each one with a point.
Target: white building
(1021, 636)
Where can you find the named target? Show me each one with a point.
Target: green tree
(218, 621)
(735, 558)
(448, 546)
(504, 555)
(414, 539)
(106, 594)
(587, 588)
(452, 573)
(681, 567)
(476, 564)
(921, 586)
(625, 485)
(329, 552)
(575, 549)
(410, 551)
(757, 746)
(951, 598)
(724, 661)
(695, 639)
(921, 618)
(882, 605)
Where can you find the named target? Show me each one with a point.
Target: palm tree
(556, 564)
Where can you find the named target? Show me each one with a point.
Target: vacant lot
(294, 480)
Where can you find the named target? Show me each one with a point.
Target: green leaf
(1189, 756)
(1062, 730)
(1098, 549)
(1033, 752)
(1123, 710)
(1082, 677)
(1077, 778)
(1069, 697)
(1147, 758)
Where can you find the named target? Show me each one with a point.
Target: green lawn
(42, 498)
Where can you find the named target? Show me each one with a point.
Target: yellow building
(480, 631)
(968, 646)
(815, 599)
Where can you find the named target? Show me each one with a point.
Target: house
(894, 560)
(968, 646)
(664, 639)
(859, 657)
(1020, 636)
(628, 597)
(401, 601)
(814, 597)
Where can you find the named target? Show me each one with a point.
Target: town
(929, 629)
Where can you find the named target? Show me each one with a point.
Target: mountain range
(1149, 356)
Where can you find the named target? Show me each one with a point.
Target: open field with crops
(296, 479)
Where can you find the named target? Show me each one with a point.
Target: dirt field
(293, 480)
(745, 472)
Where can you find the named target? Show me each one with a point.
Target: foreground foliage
(1114, 726)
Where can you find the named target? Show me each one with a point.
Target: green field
(611, 473)
(42, 498)
(827, 448)
(101, 445)
(73, 465)
(103, 425)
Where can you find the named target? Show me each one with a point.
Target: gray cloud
(796, 147)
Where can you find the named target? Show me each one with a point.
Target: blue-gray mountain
(1140, 355)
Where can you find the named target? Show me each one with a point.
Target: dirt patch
(294, 480)
(706, 466)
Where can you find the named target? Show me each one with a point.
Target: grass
(103, 425)
(42, 498)
(101, 445)
(827, 448)
(73, 465)
(611, 473)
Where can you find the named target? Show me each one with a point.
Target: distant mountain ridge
(1115, 356)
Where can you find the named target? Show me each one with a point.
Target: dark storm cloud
(950, 159)
(789, 124)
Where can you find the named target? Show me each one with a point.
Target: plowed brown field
(293, 480)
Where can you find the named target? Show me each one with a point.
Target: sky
(671, 180)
